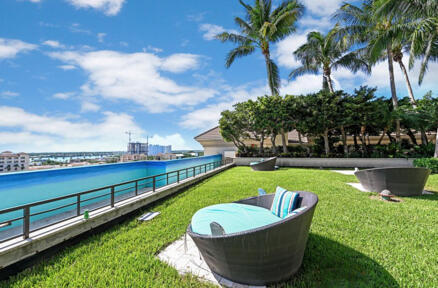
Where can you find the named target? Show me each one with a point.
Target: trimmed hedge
(431, 163)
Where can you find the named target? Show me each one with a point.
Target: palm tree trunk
(393, 90)
(326, 143)
(329, 81)
(408, 84)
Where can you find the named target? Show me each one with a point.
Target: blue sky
(76, 74)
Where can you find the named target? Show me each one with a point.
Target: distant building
(154, 150)
(11, 162)
(133, 157)
(137, 148)
(166, 156)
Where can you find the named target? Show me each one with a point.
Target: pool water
(28, 187)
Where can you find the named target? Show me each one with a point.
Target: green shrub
(431, 163)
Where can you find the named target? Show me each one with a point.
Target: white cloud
(176, 140)
(101, 37)
(196, 17)
(211, 30)
(9, 48)
(321, 8)
(320, 23)
(204, 118)
(109, 7)
(37, 133)
(9, 94)
(153, 49)
(63, 95)
(302, 85)
(34, 1)
(67, 67)
(178, 63)
(136, 77)
(53, 44)
(208, 117)
(33, 132)
(283, 52)
(87, 106)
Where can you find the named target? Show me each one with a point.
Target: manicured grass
(355, 241)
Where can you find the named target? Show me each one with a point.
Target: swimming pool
(28, 187)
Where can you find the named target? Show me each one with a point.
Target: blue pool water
(27, 187)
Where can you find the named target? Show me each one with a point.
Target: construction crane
(129, 133)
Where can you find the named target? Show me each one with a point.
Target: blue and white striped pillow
(284, 202)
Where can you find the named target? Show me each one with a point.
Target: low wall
(333, 162)
(18, 249)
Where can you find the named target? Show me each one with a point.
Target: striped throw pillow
(284, 202)
(296, 211)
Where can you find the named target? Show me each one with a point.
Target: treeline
(329, 118)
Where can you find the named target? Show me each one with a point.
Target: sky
(75, 75)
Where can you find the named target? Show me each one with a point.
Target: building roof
(209, 133)
(214, 134)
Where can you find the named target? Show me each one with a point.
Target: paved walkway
(187, 259)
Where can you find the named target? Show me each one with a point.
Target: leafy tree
(327, 53)
(272, 119)
(322, 114)
(233, 126)
(360, 111)
(263, 26)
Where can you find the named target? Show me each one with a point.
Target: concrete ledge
(18, 249)
(333, 162)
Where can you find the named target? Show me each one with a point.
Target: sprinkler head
(386, 195)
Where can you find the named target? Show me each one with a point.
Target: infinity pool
(28, 187)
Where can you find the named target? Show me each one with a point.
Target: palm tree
(327, 53)
(419, 25)
(263, 26)
(362, 27)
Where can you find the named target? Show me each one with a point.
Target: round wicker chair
(261, 256)
(400, 181)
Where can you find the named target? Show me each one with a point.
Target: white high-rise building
(11, 162)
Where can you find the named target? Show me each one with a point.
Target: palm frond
(302, 70)
(238, 52)
(273, 77)
(232, 37)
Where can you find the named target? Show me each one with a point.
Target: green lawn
(355, 241)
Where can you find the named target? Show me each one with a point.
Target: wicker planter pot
(400, 181)
(267, 165)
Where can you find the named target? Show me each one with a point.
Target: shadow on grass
(427, 197)
(328, 263)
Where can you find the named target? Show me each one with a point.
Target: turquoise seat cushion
(233, 217)
(284, 202)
